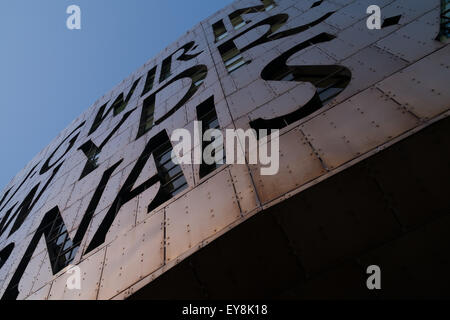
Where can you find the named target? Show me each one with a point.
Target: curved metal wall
(398, 86)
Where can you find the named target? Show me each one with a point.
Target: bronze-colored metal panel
(93, 227)
(26, 283)
(356, 126)
(45, 275)
(353, 39)
(283, 104)
(90, 271)
(70, 215)
(416, 39)
(144, 200)
(133, 256)
(422, 88)
(380, 106)
(41, 294)
(353, 12)
(200, 213)
(244, 187)
(369, 66)
(298, 165)
(409, 9)
(247, 99)
(126, 218)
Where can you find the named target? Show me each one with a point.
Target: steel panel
(144, 200)
(368, 67)
(286, 103)
(409, 9)
(223, 113)
(56, 185)
(281, 87)
(128, 155)
(133, 256)
(44, 276)
(249, 98)
(31, 271)
(307, 16)
(353, 39)
(99, 135)
(200, 213)
(69, 215)
(353, 12)
(16, 255)
(27, 229)
(252, 35)
(93, 227)
(90, 269)
(352, 128)
(201, 96)
(246, 74)
(110, 192)
(298, 165)
(135, 247)
(177, 120)
(4, 282)
(119, 140)
(310, 56)
(168, 97)
(73, 175)
(70, 163)
(82, 187)
(244, 187)
(416, 39)
(41, 294)
(425, 98)
(84, 203)
(126, 218)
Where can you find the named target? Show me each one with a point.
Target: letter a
(374, 21)
(374, 281)
(74, 281)
(74, 20)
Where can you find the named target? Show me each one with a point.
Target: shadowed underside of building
(391, 210)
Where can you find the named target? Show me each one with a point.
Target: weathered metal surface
(27, 281)
(44, 275)
(369, 66)
(133, 256)
(298, 165)
(423, 87)
(90, 270)
(399, 85)
(416, 39)
(244, 187)
(41, 294)
(199, 214)
(354, 11)
(356, 126)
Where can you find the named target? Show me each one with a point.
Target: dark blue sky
(49, 75)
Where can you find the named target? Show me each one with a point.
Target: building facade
(105, 198)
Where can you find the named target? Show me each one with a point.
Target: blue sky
(49, 75)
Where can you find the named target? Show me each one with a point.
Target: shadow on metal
(391, 209)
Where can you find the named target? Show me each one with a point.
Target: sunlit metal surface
(399, 85)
